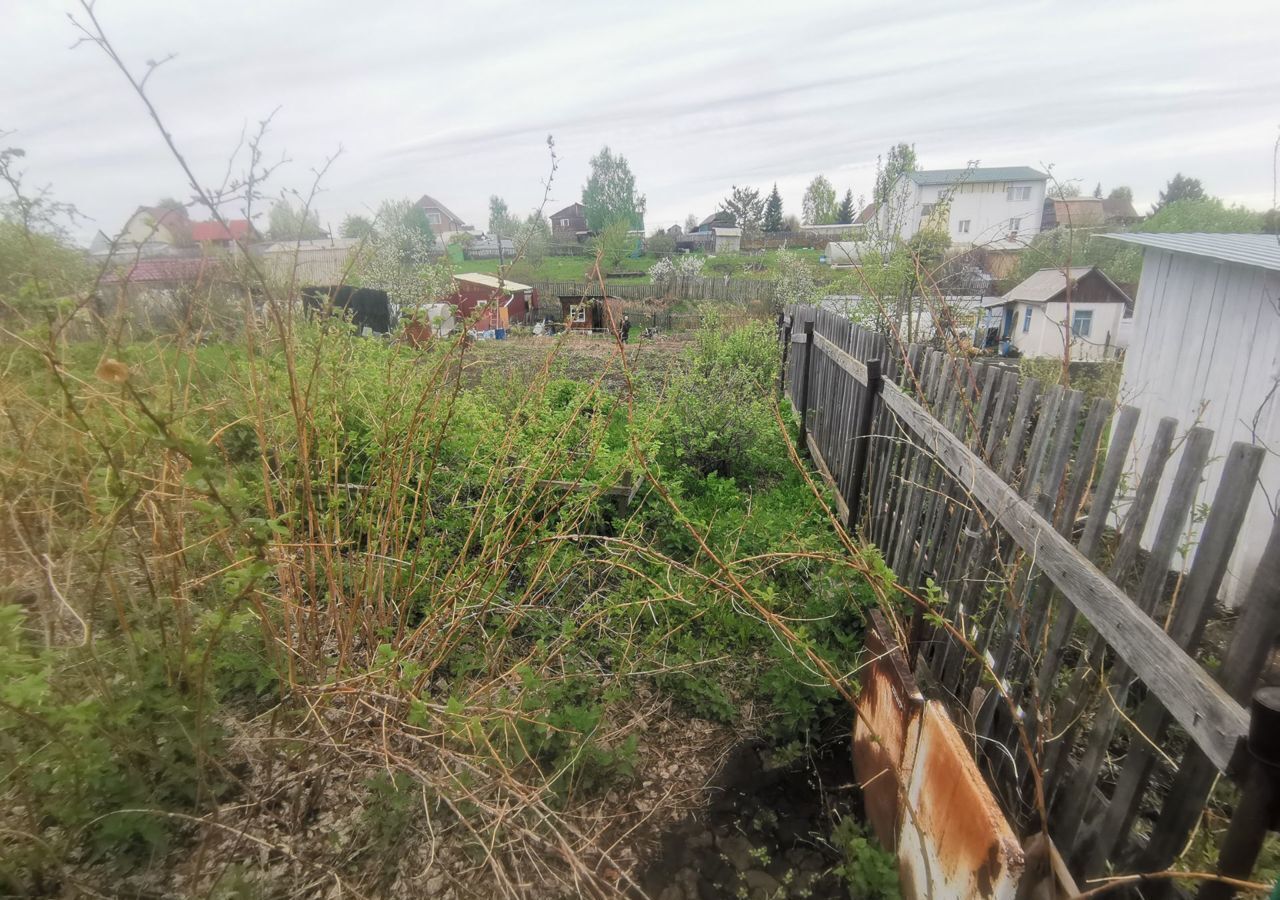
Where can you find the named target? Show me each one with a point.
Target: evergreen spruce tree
(773, 211)
(844, 214)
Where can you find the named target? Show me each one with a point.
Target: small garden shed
(589, 313)
(488, 294)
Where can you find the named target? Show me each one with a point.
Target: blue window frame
(1082, 322)
(1026, 320)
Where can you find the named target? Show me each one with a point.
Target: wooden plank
(1209, 715)
(1099, 510)
(912, 468)
(1045, 493)
(979, 538)
(1046, 423)
(842, 359)
(1254, 637)
(1217, 542)
(1182, 496)
(821, 464)
(930, 480)
(1081, 476)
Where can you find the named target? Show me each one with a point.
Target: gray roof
(994, 173)
(1046, 284)
(1261, 250)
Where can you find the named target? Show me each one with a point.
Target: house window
(1014, 224)
(578, 312)
(564, 223)
(963, 227)
(433, 218)
(1026, 320)
(1015, 194)
(926, 209)
(1082, 322)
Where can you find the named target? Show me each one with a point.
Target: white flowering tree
(399, 258)
(671, 271)
(796, 281)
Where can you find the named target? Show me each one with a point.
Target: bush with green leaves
(720, 414)
(870, 872)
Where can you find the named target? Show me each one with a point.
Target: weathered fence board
(1018, 503)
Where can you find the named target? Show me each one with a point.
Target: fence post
(862, 441)
(1259, 808)
(785, 331)
(805, 368)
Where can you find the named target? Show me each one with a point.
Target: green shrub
(558, 734)
(82, 757)
(869, 871)
(720, 413)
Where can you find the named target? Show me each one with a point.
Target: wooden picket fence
(1052, 633)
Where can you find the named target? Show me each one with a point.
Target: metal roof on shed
(1261, 250)
(492, 281)
(971, 176)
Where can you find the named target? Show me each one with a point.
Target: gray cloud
(456, 101)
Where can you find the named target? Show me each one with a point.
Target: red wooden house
(493, 303)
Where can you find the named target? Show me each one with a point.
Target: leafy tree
(1180, 187)
(610, 193)
(791, 223)
(1208, 215)
(660, 242)
(1097, 191)
(1064, 190)
(796, 281)
(1271, 221)
(404, 223)
(1060, 247)
(533, 237)
(690, 223)
(844, 213)
(287, 222)
(501, 222)
(898, 163)
(613, 242)
(38, 262)
(773, 211)
(747, 208)
(819, 204)
(398, 258)
(1121, 193)
(355, 226)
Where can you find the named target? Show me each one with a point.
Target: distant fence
(810, 240)
(1014, 500)
(561, 248)
(662, 321)
(729, 290)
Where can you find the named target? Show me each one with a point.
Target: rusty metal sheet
(954, 841)
(890, 702)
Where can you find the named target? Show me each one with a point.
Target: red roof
(234, 230)
(163, 271)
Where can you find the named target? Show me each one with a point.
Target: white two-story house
(999, 207)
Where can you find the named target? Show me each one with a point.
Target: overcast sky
(457, 100)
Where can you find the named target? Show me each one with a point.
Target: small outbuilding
(590, 313)
(1039, 317)
(1206, 350)
(494, 302)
